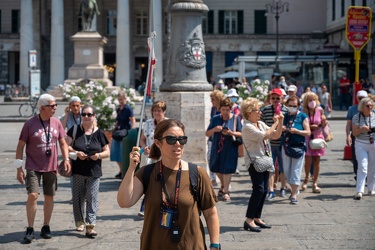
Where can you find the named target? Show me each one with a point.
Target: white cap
(362, 93)
(232, 92)
(292, 88)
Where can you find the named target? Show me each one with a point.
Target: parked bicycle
(29, 108)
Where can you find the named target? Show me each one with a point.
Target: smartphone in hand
(278, 109)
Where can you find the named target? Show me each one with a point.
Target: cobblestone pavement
(330, 220)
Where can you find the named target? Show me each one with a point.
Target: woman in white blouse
(256, 135)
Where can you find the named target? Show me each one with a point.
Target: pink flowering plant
(104, 100)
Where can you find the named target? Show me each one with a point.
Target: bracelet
(18, 163)
(215, 245)
(67, 159)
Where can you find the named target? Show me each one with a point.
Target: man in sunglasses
(350, 139)
(41, 134)
(267, 117)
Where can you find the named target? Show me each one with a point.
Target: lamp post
(277, 7)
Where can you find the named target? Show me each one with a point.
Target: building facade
(230, 29)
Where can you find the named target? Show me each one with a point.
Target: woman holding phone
(91, 146)
(224, 154)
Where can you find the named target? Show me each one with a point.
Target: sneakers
(29, 235)
(358, 196)
(283, 193)
(371, 193)
(270, 196)
(293, 201)
(45, 232)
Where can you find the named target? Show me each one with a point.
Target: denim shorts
(49, 182)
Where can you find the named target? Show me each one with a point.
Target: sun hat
(231, 92)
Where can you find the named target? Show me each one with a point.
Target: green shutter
(210, 22)
(260, 22)
(221, 21)
(240, 21)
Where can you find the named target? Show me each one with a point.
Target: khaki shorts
(49, 182)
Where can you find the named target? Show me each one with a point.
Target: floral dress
(316, 118)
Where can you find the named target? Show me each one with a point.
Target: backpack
(193, 177)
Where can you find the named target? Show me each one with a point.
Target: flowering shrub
(260, 89)
(104, 101)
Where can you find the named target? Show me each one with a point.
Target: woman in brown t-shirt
(171, 219)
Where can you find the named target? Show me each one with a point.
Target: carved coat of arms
(191, 53)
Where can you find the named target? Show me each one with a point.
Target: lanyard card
(166, 217)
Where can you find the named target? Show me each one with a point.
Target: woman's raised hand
(135, 156)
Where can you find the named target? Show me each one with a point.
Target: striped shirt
(267, 117)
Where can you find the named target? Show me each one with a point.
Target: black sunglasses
(87, 114)
(51, 106)
(171, 140)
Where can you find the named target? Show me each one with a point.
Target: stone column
(57, 73)
(157, 26)
(189, 101)
(186, 67)
(26, 40)
(123, 44)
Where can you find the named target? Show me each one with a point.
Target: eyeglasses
(276, 98)
(51, 106)
(369, 106)
(256, 111)
(171, 140)
(87, 114)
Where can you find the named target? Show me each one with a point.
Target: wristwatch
(215, 245)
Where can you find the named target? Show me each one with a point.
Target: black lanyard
(45, 132)
(87, 142)
(164, 187)
(289, 125)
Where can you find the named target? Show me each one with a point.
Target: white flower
(246, 92)
(267, 82)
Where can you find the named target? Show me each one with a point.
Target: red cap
(277, 91)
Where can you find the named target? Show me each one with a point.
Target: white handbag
(317, 143)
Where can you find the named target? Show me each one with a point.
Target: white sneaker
(371, 193)
(358, 196)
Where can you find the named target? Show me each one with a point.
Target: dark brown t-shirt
(192, 233)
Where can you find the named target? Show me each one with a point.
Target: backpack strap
(193, 176)
(146, 176)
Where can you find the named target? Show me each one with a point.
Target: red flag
(152, 64)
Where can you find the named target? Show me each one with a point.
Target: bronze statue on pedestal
(87, 10)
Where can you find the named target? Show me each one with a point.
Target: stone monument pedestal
(193, 109)
(88, 58)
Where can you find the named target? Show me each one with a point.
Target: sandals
(80, 228)
(90, 232)
(221, 192)
(304, 184)
(226, 197)
(316, 189)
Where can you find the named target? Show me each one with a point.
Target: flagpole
(152, 38)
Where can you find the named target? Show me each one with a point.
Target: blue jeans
(258, 196)
(276, 153)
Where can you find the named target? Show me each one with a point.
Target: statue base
(88, 58)
(193, 109)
